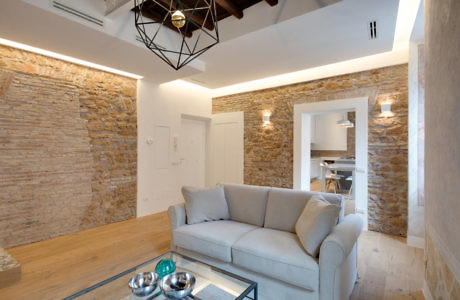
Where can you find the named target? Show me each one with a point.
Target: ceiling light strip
(407, 13)
(68, 58)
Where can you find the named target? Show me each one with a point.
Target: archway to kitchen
(303, 114)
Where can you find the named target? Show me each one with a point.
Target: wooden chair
(332, 178)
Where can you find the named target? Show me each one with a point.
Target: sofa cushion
(315, 223)
(213, 239)
(284, 207)
(205, 204)
(247, 203)
(335, 199)
(277, 254)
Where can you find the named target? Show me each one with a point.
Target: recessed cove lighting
(407, 13)
(67, 58)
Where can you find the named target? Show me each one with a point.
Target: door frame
(302, 147)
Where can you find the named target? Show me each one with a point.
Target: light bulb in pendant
(178, 19)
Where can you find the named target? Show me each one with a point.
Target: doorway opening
(311, 137)
(332, 155)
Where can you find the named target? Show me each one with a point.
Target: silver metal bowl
(177, 285)
(143, 284)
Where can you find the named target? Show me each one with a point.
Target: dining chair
(331, 177)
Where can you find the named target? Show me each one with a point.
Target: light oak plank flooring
(62, 266)
(388, 268)
(59, 267)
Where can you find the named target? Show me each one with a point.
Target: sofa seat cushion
(277, 254)
(214, 239)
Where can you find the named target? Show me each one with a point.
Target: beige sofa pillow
(205, 204)
(315, 223)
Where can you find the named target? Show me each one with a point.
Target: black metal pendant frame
(187, 50)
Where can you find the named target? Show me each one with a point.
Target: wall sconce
(266, 118)
(386, 108)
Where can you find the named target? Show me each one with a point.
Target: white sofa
(259, 242)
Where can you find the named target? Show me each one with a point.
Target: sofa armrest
(177, 216)
(337, 259)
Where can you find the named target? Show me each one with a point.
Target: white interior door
(226, 149)
(192, 152)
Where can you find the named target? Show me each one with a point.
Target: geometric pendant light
(177, 31)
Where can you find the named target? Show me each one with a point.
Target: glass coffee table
(211, 283)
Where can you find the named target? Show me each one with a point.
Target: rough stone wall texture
(268, 156)
(68, 147)
(439, 278)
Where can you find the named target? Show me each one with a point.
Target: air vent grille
(373, 30)
(82, 15)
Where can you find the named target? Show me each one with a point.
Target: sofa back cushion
(336, 199)
(246, 203)
(284, 207)
(203, 205)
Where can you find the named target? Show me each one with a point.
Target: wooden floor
(59, 267)
(388, 268)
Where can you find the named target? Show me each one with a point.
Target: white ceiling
(334, 33)
(294, 35)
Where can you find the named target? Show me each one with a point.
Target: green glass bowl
(164, 267)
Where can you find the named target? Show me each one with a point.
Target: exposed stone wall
(269, 149)
(68, 139)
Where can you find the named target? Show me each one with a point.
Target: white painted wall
(160, 107)
(329, 135)
(416, 212)
(416, 222)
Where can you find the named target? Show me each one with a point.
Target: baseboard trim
(426, 291)
(450, 260)
(416, 241)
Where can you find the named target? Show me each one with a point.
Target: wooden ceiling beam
(194, 17)
(229, 6)
(272, 2)
(157, 17)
